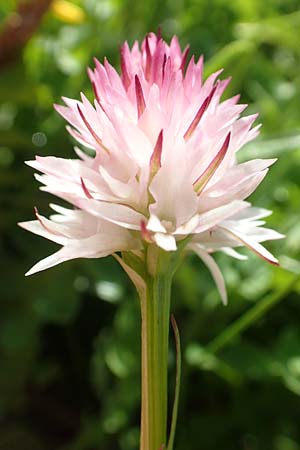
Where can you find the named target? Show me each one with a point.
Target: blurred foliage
(69, 337)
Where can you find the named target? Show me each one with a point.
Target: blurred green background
(69, 337)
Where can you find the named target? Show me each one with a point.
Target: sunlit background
(69, 337)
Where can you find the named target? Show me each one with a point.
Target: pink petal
(204, 178)
(199, 114)
(140, 100)
(125, 59)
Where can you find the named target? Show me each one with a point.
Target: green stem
(257, 311)
(155, 311)
(152, 272)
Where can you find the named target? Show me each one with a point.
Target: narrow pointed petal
(51, 261)
(204, 178)
(89, 127)
(188, 227)
(233, 253)
(61, 210)
(148, 59)
(95, 89)
(155, 225)
(82, 155)
(109, 240)
(211, 218)
(93, 82)
(175, 198)
(257, 248)
(34, 226)
(119, 214)
(79, 138)
(124, 54)
(85, 189)
(120, 189)
(155, 160)
(184, 57)
(199, 114)
(91, 130)
(214, 269)
(157, 63)
(253, 213)
(165, 241)
(47, 224)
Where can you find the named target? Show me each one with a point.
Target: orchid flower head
(163, 165)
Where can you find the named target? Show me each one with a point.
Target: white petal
(121, 215)
(215, 216)
(63, 211)
(252, 213)
(214, 269)
(137, 146)
(189, 226)
(118, 188)
(96, 246)
(48, 262)
(34, 226)
(238, 191)
(165, 241)
(253, 230)
(253, 245)
(175, 198)
(239, 173)
(82, 155)
(233, 253)
(155, 225)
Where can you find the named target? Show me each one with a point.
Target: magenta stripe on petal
(199, 114)
(140, 100)
(85, 189)
(155, 160)
(204, 178)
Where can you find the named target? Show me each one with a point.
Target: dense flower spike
(164, 165)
